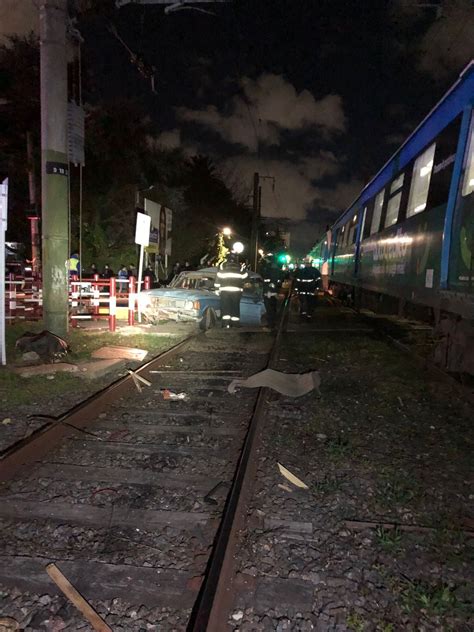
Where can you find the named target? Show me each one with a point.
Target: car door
(252, 307)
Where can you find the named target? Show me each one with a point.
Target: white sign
(142, 230)
(3, 228)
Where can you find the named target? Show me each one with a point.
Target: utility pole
(255, 221)
(33, 209)
(54, 164)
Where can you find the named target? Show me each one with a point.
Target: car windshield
(187, 281)
(253, 286)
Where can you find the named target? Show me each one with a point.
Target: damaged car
(192, 297)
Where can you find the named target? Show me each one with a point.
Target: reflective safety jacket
(73, 265)
(230, 277)
(307, 280)
(271, 281)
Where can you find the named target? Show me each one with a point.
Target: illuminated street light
(238, 247)
(227, 231)
(260, 252)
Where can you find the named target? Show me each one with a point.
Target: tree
(20, 110)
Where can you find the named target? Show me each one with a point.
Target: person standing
(271, 285)
(307, 280)
(230, 283)
(108, 273)
(122, 275)
(74, 264)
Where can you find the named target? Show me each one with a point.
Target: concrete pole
(54, 165)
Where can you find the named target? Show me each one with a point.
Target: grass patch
(389, 539)
(328, 485)
(355, 622)
(438, 600)
(337, 447)
(15, 390)
(395, 490)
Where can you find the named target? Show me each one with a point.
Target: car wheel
(208, 320)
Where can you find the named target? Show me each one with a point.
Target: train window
(352, 231)
(347, 232)
(397, 183)
(378, 206)
(342, 237)
(420, 182)
(367, 221)
(468, 182)
(393, 205)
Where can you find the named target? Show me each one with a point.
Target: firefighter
(230, 283)
(307, 281)
(271, 285)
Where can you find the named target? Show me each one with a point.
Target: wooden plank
(163, 414)
(99, 517)
(292, 526)
(150, 430)
(144, 449)
(152, 587)
(77, 599)
(135, 476)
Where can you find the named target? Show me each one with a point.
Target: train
(406, 243)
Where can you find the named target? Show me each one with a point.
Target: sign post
(3, 229)
(142, 237)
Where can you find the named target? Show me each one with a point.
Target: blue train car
(407, 241)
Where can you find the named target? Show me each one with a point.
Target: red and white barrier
(88, 299)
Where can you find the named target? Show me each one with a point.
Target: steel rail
(216, 596)
(44, 439)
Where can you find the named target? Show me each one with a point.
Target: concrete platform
(99, 368)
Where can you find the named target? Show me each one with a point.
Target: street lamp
(227, 231)
(238, 247)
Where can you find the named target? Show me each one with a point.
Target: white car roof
(213, 271)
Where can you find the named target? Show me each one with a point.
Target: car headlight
(189, 305)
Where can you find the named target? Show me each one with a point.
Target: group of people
(230, 281)
(306, 281)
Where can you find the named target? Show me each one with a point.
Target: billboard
(160, 229)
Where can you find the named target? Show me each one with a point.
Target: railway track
(126, 493)
(173, 515)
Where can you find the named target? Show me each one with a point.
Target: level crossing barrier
(89, 298)
(23, 298)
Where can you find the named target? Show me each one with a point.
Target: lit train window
(420, 183)
(393, 205)
(375, 226)
(468, 182)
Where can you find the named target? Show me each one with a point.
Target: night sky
(316, 93)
